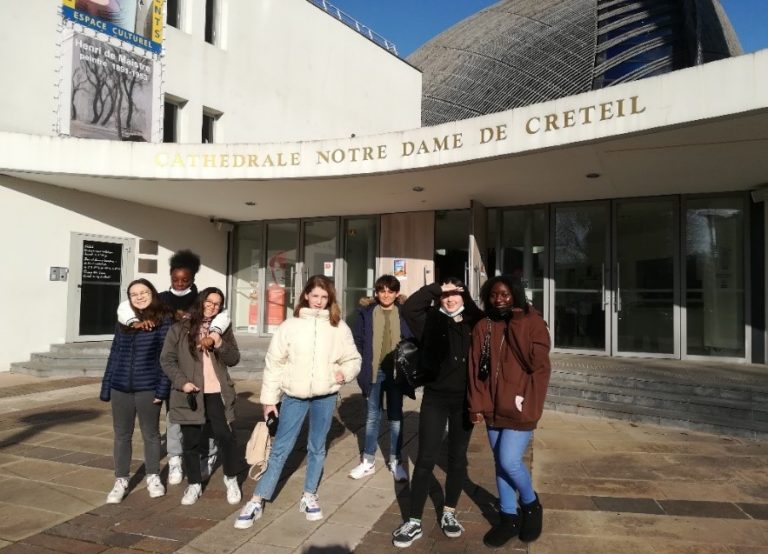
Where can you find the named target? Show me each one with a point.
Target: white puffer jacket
(304, 355)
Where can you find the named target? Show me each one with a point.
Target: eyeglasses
(209, 304)
(140, 294)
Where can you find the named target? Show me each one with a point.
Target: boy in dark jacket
(377, 330)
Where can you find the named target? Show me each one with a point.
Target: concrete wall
(281, 70)
(285, 70)
(29, 63)
(37, 234)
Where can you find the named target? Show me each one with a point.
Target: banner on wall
(111, 92)
(138, 22)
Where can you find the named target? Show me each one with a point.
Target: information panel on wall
(102, 264)
(138, 22)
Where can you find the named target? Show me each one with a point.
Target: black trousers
(216, 425)
(436, 410)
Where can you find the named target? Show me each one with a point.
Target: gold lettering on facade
(551, 122)
(437, 144)
(606, 110)
(584, 115)
(354, 154)
(487, 134)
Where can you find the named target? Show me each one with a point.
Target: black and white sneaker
(450, 525)
(408, 532)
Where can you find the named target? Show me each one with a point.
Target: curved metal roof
(520, 52)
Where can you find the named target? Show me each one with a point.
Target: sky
(411, 23)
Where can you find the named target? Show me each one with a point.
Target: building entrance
(652, 277)
(274, 259)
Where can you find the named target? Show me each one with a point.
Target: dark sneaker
(450, 525)
(408, 532)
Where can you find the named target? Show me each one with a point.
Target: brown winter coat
(494, 398)
(180, 367)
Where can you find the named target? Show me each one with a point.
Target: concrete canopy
(703, 129)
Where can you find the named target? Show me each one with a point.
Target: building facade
(634, 212)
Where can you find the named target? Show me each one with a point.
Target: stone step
(756, 430)
(755, 392)
(43, 369)
(692, 405)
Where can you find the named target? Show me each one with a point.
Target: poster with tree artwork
(111, 92)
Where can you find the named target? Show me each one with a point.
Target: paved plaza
(607, 486)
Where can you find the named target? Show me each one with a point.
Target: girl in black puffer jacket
(135, 384)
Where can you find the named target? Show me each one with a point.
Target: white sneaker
(233, 490)
(175, 473)
(154, 486)
(118, 492)
(250, 513)
(398, 471)
(310, 506)
(192, 493)
(363, 469)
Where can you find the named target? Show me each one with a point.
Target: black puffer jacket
(134, 362)
(444, 342)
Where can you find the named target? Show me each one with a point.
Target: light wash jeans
(384, 386)
(292, 414)
(512, 477)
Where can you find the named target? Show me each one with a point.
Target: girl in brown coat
(508, 379)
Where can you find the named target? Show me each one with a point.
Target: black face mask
(500, 313)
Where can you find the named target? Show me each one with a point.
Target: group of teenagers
(477, 365)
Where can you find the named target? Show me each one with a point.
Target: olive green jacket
(180, 367)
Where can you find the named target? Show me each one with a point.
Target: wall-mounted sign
(399, 269)
(102, 262)
(138, 22)
(111, 92)
(328, 269)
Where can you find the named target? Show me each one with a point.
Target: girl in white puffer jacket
(309, 358)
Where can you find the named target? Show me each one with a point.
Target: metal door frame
(615, 291)
(551, 296)
(74, 294)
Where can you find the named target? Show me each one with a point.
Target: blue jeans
(512, 477)
(384, 385)
(292, 414)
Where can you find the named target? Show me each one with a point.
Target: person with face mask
(178, 299)
(509, 374)
(441, 315)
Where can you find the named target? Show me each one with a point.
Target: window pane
(715, 276)
(170, 116)
(172, 13)
(524, 251)
(248, 262)
(451, 244)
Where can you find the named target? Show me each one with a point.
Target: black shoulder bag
(408, 363)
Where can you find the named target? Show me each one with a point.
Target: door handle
(602, 286)
(618, 288)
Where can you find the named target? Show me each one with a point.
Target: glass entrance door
(360, 249)
(645, 294)
(580, 278)
(320, 243)
(281, 254)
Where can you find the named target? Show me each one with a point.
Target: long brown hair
(196, 316)
(156, 312)
(323, 282)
